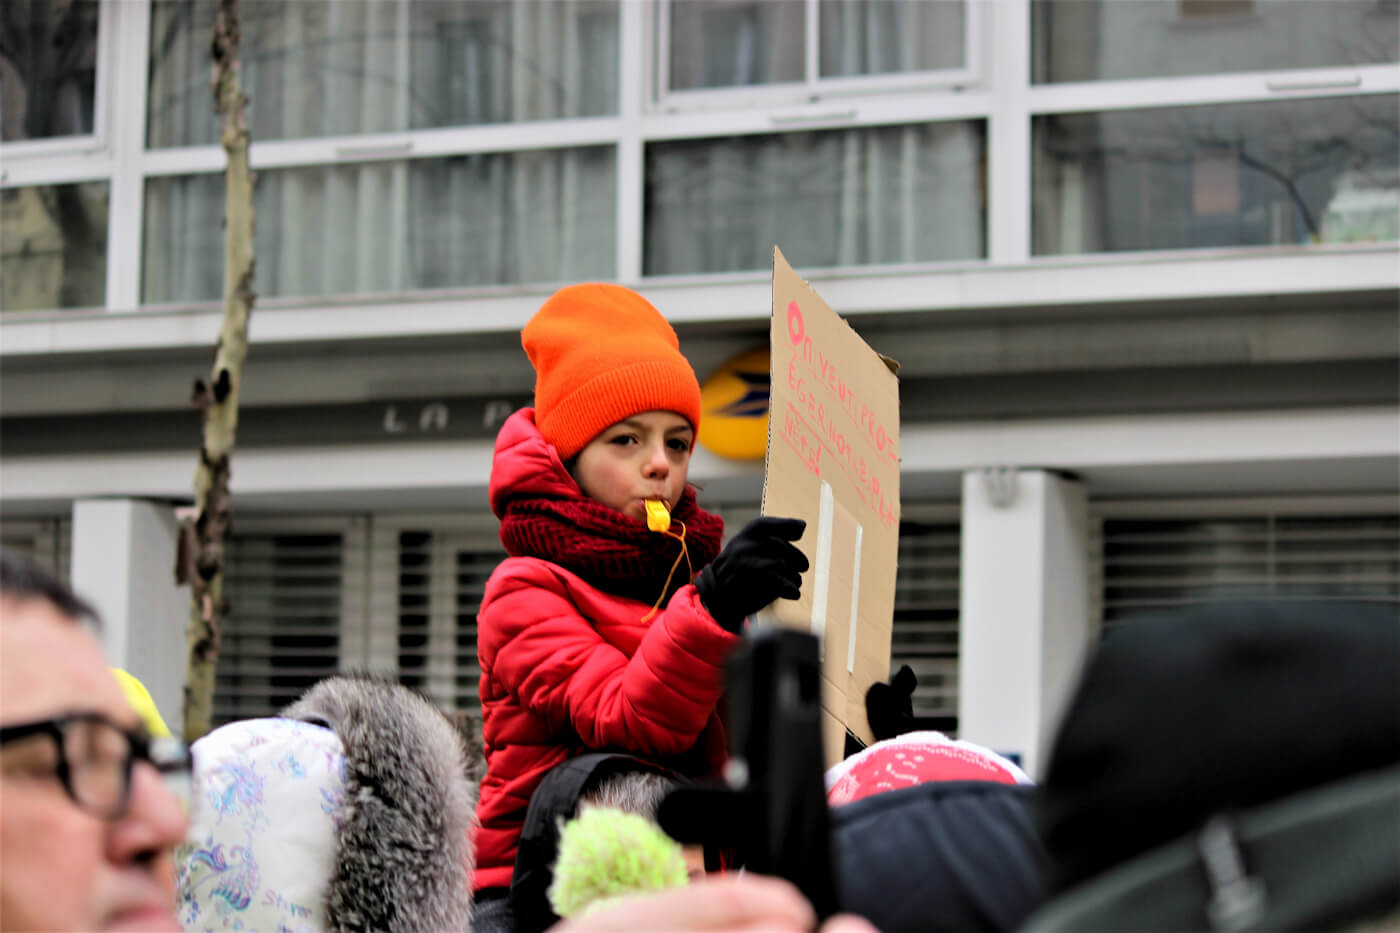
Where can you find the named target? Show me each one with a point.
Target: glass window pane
(732, 43)
(341, 67)
(1107, 40)
(869, 37)
(48, 68)
(53, 246)
(829, 198)
(1298, 171)
(497, 218)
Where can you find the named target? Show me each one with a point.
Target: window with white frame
(1107, 40)
(1168, 125)
(391, 190)
(332, 68)
(414, 145)
(719, 53)
(1248, 174)
(827, 126)
(1154, 557)
(49, 74)
(486, 218)
(54, 250)
(835, 197)
(55, 91)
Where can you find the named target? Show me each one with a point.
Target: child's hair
(639, 792)
(613, 845)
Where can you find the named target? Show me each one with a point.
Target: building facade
(1138, 262)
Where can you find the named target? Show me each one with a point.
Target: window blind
(1155, 561)
(48, 541)
(282, 629)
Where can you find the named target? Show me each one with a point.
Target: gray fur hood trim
(404, 845)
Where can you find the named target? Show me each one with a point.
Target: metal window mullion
(399, 208)
(382, 602)
(1200, 90)
(43, 151)
(659, 85)
(440, 665)
(104, 110)
(975, 38)
(1009, 135)
(911, 86)
(55, 545)
(846, 114)
(788, 93)
(1270, 549)
(631, 166)
(483, 553)
(907, 83)
(59, 170)
(1097, 576)
(128, 138)
(355, 562)
(383, 147)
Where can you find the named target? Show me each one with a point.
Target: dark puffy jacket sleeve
(539, 646)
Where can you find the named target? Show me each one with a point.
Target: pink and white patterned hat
(916, 758)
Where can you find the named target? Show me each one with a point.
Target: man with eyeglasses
(87, 823)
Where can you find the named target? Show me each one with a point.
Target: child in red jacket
(591, 634)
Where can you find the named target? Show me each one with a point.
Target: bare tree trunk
(201, 563)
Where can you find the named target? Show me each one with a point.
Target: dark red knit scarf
(606, 548)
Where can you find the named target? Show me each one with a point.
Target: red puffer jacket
(567, 668)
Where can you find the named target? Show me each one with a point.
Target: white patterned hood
(267, 794)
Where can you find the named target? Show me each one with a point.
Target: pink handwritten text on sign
(815, 380)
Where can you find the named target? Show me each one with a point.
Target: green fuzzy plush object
(605, 853)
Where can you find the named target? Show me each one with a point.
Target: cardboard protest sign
(833, 459)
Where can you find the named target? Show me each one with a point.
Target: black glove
(757, 566)
(889, 707)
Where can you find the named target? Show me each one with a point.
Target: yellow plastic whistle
(658, 517)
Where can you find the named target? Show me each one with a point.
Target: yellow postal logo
(734, 407)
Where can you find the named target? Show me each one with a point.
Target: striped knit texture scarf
(606, 548)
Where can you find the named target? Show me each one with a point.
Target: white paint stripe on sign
(822, 566)
(855, 602)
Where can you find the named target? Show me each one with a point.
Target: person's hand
(736, 904)
(760, 564)
(889, 707)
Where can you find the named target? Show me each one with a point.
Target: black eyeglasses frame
(173, 758)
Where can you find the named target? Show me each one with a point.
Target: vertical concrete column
(1025, 626)
(124, 564)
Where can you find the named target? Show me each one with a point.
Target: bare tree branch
(203, 538)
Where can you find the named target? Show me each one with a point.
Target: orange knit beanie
(602, 353)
